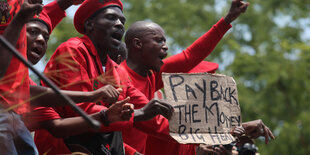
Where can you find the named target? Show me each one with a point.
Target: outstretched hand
(237, 7)
(107, 94)
(120, 111)
(153, 108)
(237, 131)
(257, 128)
(204, 149)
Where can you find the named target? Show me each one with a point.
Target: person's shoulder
(72, 42)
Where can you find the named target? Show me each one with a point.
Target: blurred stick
(95, 124)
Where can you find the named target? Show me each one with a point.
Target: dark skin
(120, 55)
(37, 37)
(105, 31)
(151, 48)
(146, 41)
(120, 111)
(252, 129)
(11, 34)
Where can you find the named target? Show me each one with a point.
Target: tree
(266, 52)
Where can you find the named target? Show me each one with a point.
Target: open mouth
(117, 35)
(37, 50)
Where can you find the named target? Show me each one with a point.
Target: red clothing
(205, 66)
(80, 69)
(55, 13)
(192, 56)
(14, 86)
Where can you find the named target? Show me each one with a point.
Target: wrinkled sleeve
(55, 13)
(195, 53)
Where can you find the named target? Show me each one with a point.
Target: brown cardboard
(205, 105)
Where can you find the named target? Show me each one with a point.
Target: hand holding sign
(153, 108)
(257, 128)
(206, 107)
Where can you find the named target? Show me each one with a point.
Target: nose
(119, 24)
(40, 39)
(165, 47)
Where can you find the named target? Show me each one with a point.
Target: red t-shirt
(14, 86)
(76, 66)
(192, 56)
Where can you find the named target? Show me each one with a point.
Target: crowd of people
(114, 82)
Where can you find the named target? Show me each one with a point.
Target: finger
(217, 151)
(162, 110)
(266, 134)
(270, 134)
(166, 105)
(244, 7)
(167, 113)
(119, 90)
(126, 115)
(122, 102)
(255, 134)
(115, 93)
(128, 106)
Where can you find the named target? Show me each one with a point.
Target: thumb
(122, 102)
(119, 90)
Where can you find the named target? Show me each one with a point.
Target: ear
(137, 43)
(119, 59)
(89, 24)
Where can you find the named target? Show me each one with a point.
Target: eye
(111, 17)
(32, 32)
(46, 37)
(160, 40)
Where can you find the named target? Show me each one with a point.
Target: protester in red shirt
(38, 31)
(90, 68)
(14, 85)
(146, 44)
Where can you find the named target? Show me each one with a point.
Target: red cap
(90, 7)
(45, 19)
(205, 66)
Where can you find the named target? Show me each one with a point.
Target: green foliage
(61, 33)
(270, 60)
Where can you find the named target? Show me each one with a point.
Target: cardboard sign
(205, 105)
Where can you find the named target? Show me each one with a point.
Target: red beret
(205, 66)
(90, 7)
(45, 19)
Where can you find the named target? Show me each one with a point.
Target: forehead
(154, 29)
(38, 25)
(111, 10)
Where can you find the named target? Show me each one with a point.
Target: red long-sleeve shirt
(14, 85)
(76, 65)
(191, 56)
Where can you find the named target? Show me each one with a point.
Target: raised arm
(12, 31)
(204, 45)
(56, 10)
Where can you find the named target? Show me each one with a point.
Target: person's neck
(138, 68)
(102, 52)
